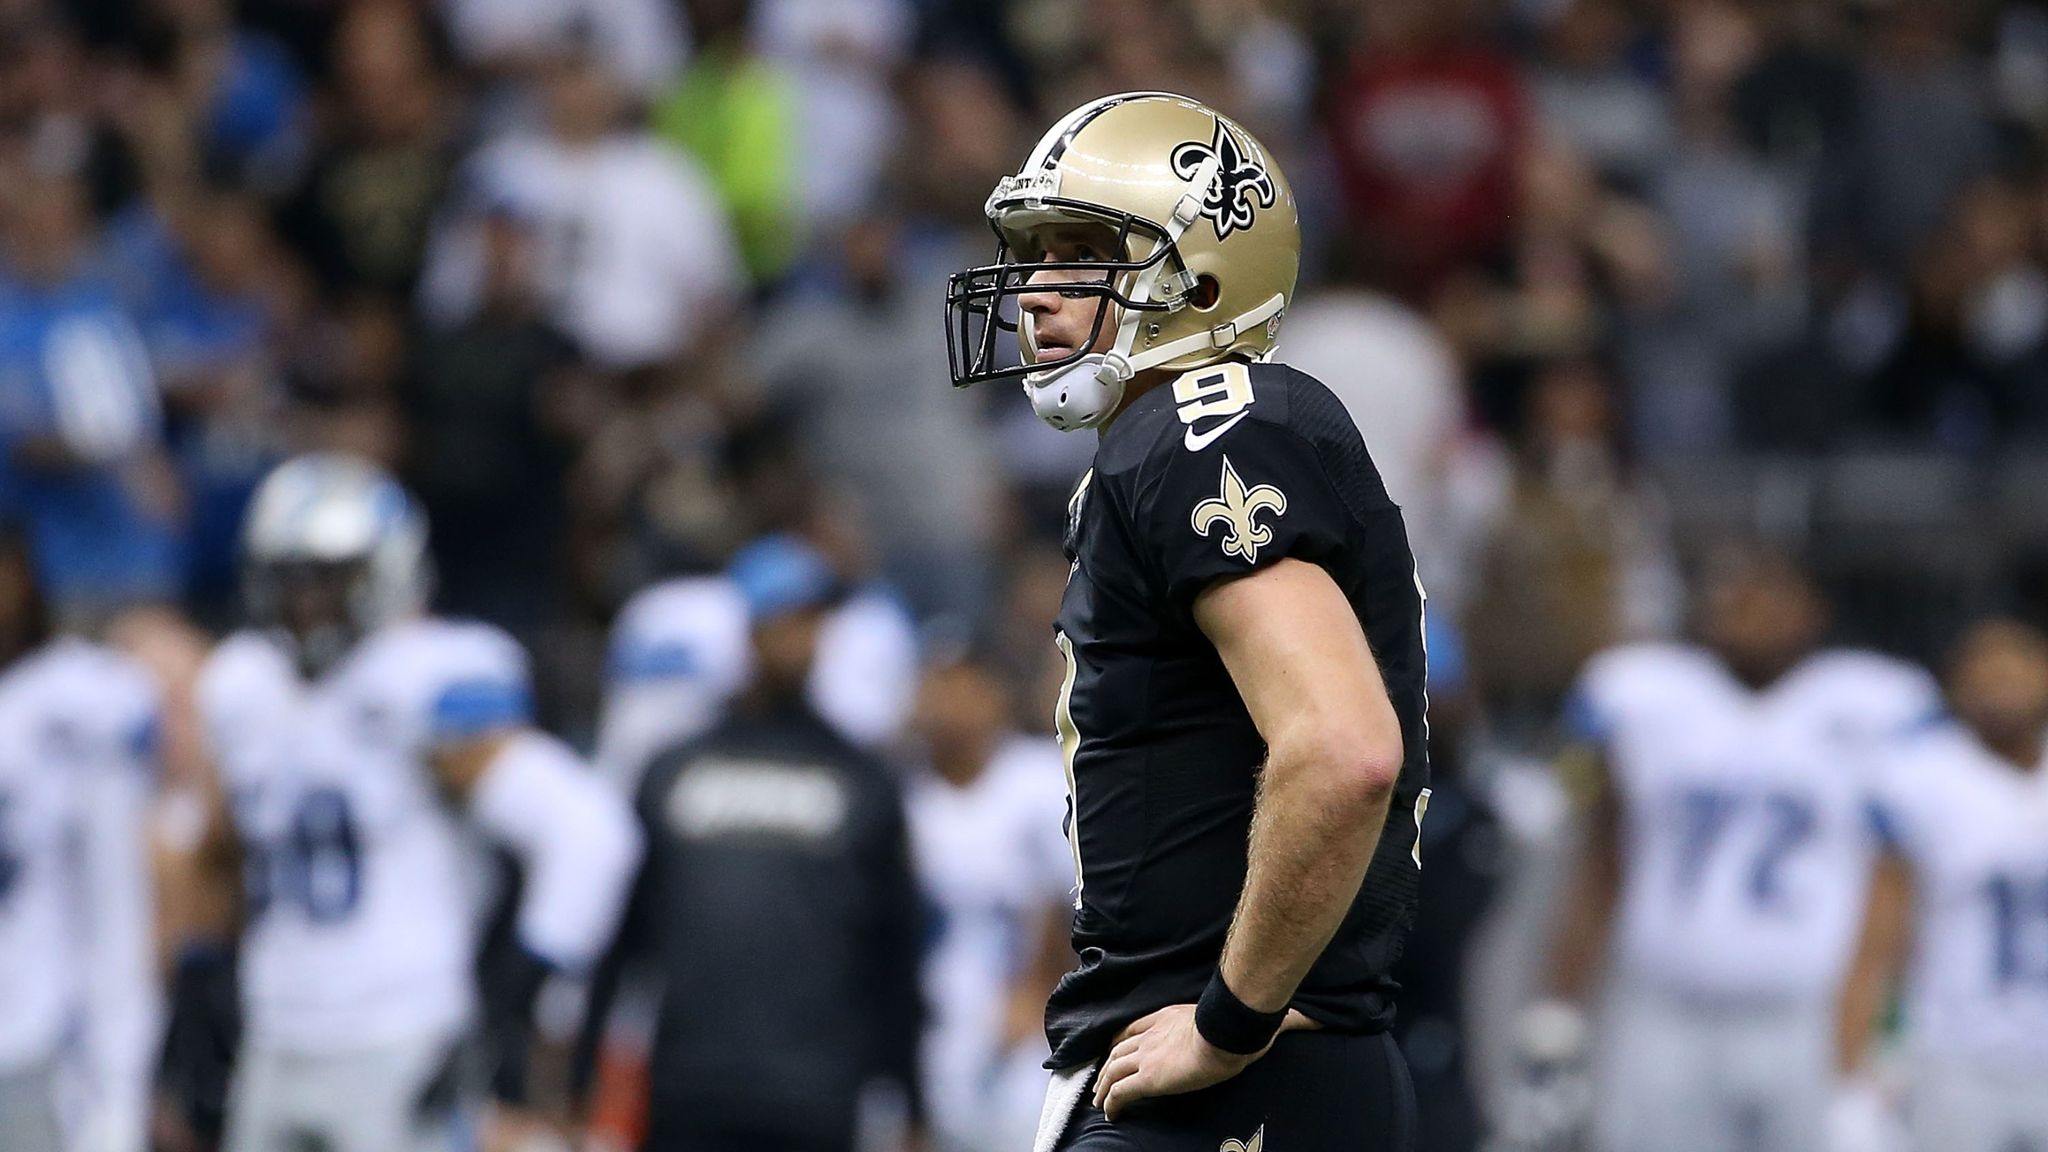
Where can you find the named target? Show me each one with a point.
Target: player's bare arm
(1578, 954)
(460, 765)
(1293, 647)
(1879, 963)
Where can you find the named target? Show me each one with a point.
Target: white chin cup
(1082, 394)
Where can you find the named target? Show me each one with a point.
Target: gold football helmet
(1205, 248)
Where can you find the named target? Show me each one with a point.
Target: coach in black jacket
(777, 905)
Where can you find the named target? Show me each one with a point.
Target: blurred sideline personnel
(1242, 713)
(358, 743)
(1725, 866)
(1961, 906)
(1462, 840)
(78, 1002)
(998, 881)
(776, 904)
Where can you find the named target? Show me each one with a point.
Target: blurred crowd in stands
(617, 286)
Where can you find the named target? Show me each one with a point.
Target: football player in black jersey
(1242, 714)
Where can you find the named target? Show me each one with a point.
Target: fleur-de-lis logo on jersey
(1240, 179)
(1237, 508)
(1256, 1144)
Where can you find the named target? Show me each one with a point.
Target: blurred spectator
(998, 876)
(1735, 236)
(778, 903)
(1401, 384)
(241, 89)
(1426, 123)
(81, 428)
(637, 259)
(1976, 329)
(1272, 67)
(204, 285)
(842, 55)
(49, 96)
(1576, 560)
(1086, 51)
(637, 41)
(852, 373)
(737, 111)
(1593, 97)
(489, 406)
(1582, 261)
(1925, 130)
(387, 156)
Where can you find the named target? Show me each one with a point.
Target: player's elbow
(1356, 762)
(616, 850)
(580, 886)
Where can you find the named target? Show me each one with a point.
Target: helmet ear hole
(1206, 292)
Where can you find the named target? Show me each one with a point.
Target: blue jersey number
(2019, 923)
(316, 866)
(1705, 816)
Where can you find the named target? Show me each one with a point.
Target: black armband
(1230, 1023)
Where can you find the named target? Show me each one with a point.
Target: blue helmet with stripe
(335, 548)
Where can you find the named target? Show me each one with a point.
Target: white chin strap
(1086, 393)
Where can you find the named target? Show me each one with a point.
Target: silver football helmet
(335, 549)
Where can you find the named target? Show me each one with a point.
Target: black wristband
(1232, 1025)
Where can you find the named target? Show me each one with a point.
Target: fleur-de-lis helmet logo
(1256, 1144)
(1241, 178)
(1237, 508)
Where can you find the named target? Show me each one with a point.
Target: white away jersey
(77, 747)
(680, 650)
(360, 878)
(1746, 833)
(993, 862)
(1975, 832)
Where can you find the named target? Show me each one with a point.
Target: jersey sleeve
(1896, 797)
(677, 654)
(126, 723)
(117, 1034)
(1249, 498)
(476, 682)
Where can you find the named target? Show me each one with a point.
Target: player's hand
(1861, 1119)
(507, 1128)
(1163, 1055)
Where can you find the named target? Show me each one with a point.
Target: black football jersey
(1223, 471)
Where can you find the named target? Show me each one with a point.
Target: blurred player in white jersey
(360, 745)
(679, 652)
(1961, 905)
(1726, 864)
(985, 817)
(78, 995)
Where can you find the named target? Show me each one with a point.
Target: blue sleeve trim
(1885, 827)
(146, 740)
(472, 707)
(1583, 722)
(632, 661)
